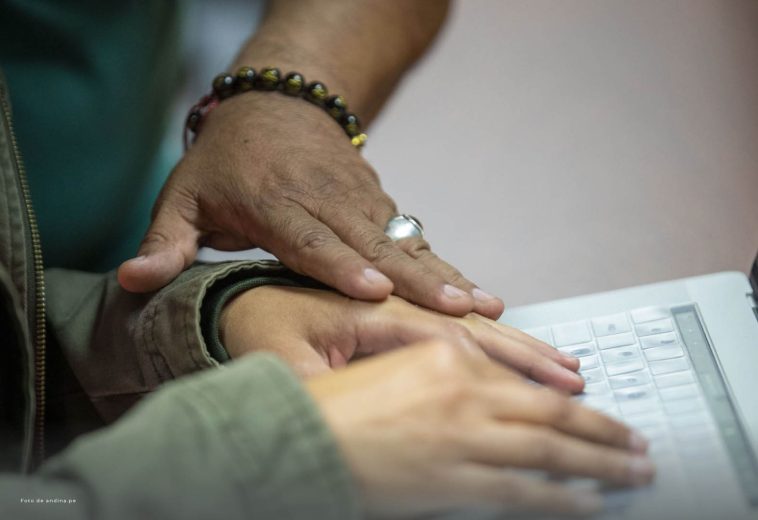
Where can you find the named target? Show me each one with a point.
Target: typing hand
(435, 426)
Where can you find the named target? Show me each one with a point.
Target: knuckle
(455, 277)
(156, 236)
(380, 248)
(417, 248)
(448, 362)
(387, 202)
(455, 329)
(311, 239)
(381, 208)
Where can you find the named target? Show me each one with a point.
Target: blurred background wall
(553, 148)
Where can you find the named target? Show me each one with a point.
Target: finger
(508, 491)
(523, 357)
(526, 446)
(412, 279)
(169, 246)
(549, 408)
(484, 303)
(309, 247)
(556, 355)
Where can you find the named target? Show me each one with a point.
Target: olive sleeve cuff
(226, 288)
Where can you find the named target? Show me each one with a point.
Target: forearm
(358, 48)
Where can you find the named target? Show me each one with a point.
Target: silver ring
(404, 226)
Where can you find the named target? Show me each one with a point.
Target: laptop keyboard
(635, 368)
(645, 368)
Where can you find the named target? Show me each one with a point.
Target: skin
(316, 331)
(276, 172)
(447, 420)
(435, 426)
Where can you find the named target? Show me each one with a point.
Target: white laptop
(679, 361)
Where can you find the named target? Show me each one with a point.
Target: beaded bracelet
(269, 79)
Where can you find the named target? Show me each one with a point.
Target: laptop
(678, 361)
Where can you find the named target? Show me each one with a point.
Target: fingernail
(453, 292)
(374, 277)
(641, 470)
(588, 502)
(481, 295)
(637, 442)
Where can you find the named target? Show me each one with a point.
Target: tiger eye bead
(316, 92)
(268, 79)
(359, 140)
(336, 106)
(245, 78)
(223, 85)
(351, 124)
(293, 84)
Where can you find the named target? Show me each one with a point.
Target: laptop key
(634, 393)
(660, 353)
(597, 388)
(679, 392)
(593, 375)
(676, 379)
(582, 350)
(617, 340)
(649, 314)
(659, 340)
(633, 379)
(637, 406)
(614, 369)
(620, 354)
(653, 433)
(588, 362)
(668, 366)
(638, 399)
(653, 419)
(597, 402)
(654, 327)
(690, 420)
(607, 325)
(571, 333)
(683, 406)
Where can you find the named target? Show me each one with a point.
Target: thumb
(169, 246)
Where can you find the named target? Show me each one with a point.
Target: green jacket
(240, 440)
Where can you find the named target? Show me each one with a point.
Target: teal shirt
(91, 85)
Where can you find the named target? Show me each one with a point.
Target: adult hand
(277, 173)
(433, 427)
(315, 330)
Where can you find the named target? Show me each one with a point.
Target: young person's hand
(435, 426)
(315, 330)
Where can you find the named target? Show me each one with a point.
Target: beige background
(559, 147)
(553, 148)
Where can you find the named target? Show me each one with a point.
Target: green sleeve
(245, 441)
(112, 347)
